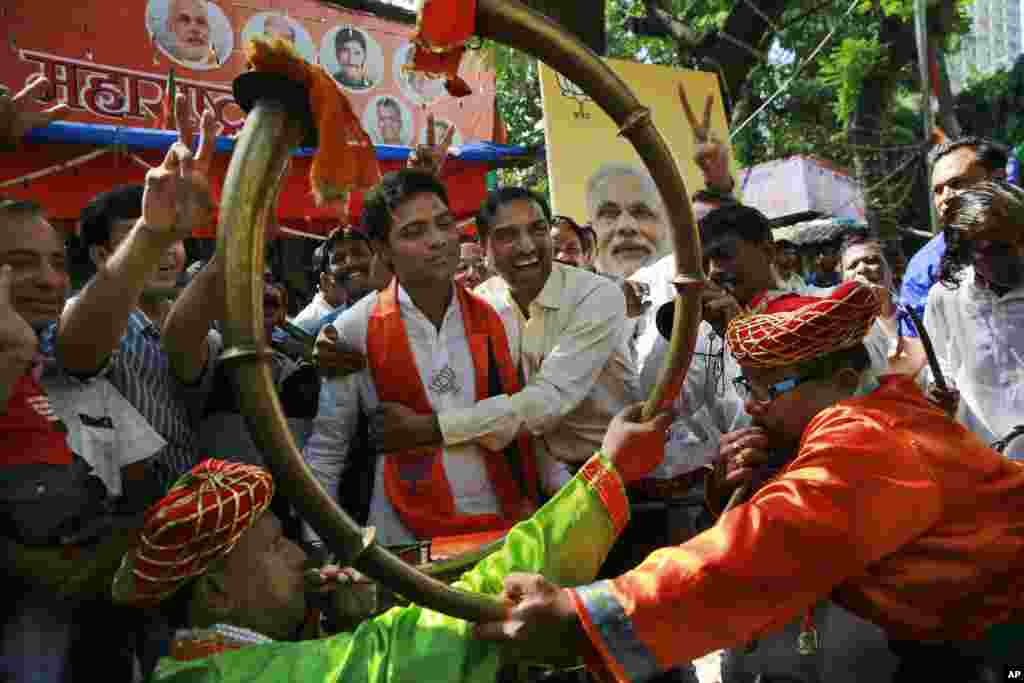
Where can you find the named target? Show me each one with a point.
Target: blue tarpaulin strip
(150, 138)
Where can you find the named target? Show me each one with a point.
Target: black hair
(503, 195)
(391, 192)
(336, 237)
(97, 218)
(992, 155)
(349, 35)
(744, 222)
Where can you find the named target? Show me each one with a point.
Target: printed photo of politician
(193, 33)
(353, 57)
(389, 122)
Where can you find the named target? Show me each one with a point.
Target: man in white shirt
(431, 349)
(975, 316)
(344, 272)
(565, 327)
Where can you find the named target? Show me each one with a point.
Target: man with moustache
(628, 217)
(350, 49)
(389, 122)
(975, 315)
(344, 278)
(956, 165)
(884, 503)
(188, 26)
(565, 326)
(431, 347)
(63, 549)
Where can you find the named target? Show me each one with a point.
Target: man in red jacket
(900, 514)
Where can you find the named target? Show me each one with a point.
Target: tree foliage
(814, 107)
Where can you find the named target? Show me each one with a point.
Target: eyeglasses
(747, 390)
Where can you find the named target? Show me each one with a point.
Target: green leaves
(846, 68)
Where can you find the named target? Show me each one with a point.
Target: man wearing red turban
(900, 514)
(214, 560)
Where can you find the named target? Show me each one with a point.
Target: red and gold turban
(794, 328)
(199, 521)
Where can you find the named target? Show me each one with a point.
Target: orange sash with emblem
(414, 479)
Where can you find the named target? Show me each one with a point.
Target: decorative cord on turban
(199, 521)
(793, 328)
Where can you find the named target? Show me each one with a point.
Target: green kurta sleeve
(566, 541)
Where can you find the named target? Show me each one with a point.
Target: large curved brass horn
(247, 207)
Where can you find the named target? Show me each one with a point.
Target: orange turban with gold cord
(199, 521)
(793, 328)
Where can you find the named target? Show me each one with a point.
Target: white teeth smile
(528, 263)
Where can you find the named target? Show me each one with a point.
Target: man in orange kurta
(897, 512)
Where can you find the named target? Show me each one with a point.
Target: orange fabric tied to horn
(443, 28)
(345, 159)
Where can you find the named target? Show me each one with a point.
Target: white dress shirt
(979, 341)
(571, 355)
(446, 353)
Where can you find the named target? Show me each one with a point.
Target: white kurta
(979, 342)
(439, 355)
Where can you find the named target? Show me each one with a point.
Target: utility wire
(799, 68)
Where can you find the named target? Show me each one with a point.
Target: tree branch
(685, 37)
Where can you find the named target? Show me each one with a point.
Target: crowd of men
(490, 387)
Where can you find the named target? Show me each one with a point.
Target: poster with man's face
(271, 25)
(389, 122)
(353, 56)
(195, 34)
(609, 186)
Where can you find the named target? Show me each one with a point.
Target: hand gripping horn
(272, 128)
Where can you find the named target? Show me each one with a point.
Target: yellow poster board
(581, 137)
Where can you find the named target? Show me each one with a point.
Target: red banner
(109, 61)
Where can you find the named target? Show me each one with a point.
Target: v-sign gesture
(711, 155)
(431, 157)
(177, 197)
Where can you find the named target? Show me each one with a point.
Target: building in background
(993, 43)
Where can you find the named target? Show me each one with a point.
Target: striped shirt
(141, 371)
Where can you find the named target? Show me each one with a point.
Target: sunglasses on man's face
(766, 395)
